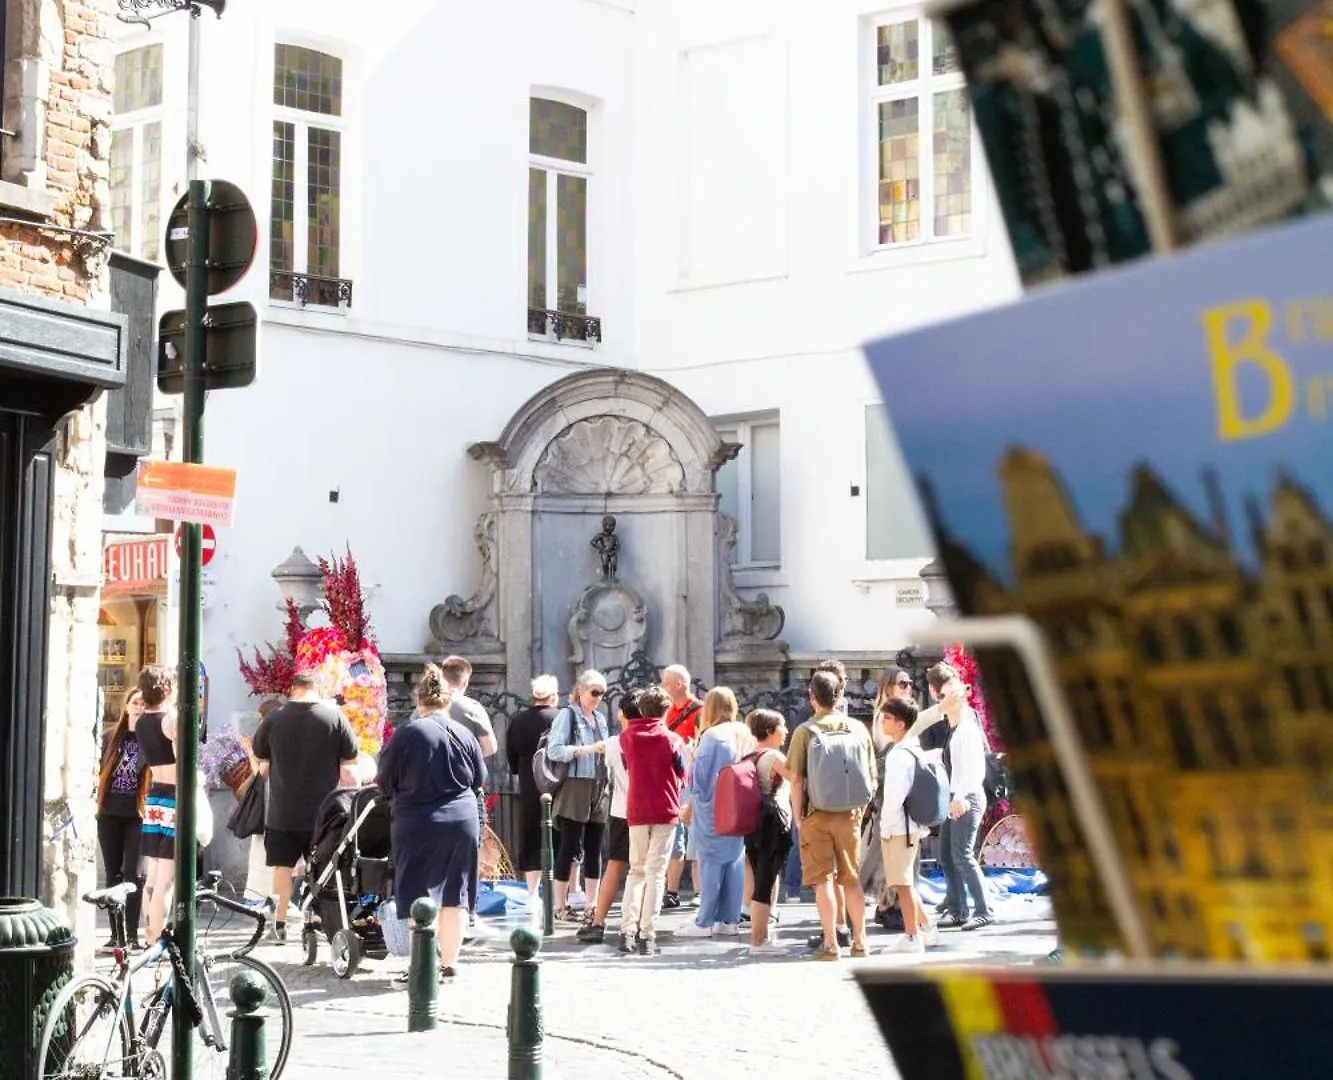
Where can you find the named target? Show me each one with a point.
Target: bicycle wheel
(211, 1062)
(86, 1035)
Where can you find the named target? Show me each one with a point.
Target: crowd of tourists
(833, 805)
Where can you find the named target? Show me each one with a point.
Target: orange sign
(133, 566)
(177, 491)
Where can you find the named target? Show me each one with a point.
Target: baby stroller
(349, 876)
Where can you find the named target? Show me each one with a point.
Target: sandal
(447, 973)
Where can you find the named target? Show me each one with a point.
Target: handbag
(547, 773)
(248, 818)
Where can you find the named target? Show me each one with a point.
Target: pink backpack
(737, 800)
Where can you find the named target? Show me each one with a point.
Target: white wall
(757, 290)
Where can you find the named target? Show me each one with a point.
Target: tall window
(751, 491)
(136, 152)
(923, 135)
(558, 177)
(305, 214)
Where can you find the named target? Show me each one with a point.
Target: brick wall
(58, 90)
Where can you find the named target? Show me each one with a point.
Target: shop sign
(178, 491)
(132, 566)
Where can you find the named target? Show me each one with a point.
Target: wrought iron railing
(564, 324)
(309, 289)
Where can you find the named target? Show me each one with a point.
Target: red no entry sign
(210, 543)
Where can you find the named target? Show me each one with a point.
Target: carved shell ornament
(609, 455)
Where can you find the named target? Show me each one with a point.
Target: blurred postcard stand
(1129, 477)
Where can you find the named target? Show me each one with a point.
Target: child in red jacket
(655, 761)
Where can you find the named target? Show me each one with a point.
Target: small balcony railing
(309, 289)
(564, 325)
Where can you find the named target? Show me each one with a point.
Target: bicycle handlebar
(258, 914)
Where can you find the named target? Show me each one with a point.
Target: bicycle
(91, 1034)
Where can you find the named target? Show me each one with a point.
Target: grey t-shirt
(471, 715)
(305, 744)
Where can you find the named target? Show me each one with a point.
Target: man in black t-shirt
(301, 747)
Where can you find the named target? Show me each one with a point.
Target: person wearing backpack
(767, 845)
(724, 741)
(916, 798)
(832, 763)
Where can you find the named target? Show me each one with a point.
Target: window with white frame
(895, 526)
(922, 127)
(305, 208)
(751, 490)
(136, 152)
(558, 179)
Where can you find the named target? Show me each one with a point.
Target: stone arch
(615, 408)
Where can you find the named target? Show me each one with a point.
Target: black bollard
(248, 1059)
(548, 868)
(423, 983)
(525, 1007)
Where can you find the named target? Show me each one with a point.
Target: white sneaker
(929, 935)
(768, 947)
(727, 929)
(694, 930)
(907, 944)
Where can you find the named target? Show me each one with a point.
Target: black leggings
(766, 848)
(118, 838)
(574, 835)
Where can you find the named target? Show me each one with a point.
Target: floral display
(224, 763)
(342, 656)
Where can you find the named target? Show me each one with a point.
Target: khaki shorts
(899, 860)
(831, 847)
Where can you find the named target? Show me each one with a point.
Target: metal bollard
(525, 1007)
(423, 984)
(248, 1059)
(548, 868)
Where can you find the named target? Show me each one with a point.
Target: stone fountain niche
(596, 455)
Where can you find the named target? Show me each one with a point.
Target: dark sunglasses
(905, 683)
(596, 693)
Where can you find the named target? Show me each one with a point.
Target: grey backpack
(837, 769)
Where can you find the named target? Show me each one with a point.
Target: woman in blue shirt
(578, 735)
(432, 769)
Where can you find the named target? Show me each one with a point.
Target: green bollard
(249, 1045)
(525, 1007)
(423, 983)
(548, 868)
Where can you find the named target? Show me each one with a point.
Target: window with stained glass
(305, 200)
(136, 152)
(922, 120)
(558, 185)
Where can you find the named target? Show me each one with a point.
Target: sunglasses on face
(596, 693)
(903, 684)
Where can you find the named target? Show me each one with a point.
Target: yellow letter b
(1228, 358)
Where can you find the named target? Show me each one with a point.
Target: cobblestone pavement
(700, 1010)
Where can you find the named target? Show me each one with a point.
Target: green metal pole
(187, 709)
(548, 868)
(423, 983)
(248, 1058)
(525, 1007)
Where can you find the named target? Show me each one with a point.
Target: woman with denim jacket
(578, 736)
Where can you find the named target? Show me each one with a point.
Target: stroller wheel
(310, 940)
(345, 953)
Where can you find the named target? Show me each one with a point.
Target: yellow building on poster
(1203, 693)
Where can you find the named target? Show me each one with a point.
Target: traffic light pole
(191, 617)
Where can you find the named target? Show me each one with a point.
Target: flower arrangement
(342, 656)
(224, 763)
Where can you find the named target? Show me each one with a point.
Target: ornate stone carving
(607, 627)
(742, 620)
(458, 620)
(609, 455)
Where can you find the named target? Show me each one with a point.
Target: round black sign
(233, 237)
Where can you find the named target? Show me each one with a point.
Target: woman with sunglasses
(578, 737)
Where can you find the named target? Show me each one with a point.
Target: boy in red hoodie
(655, 761)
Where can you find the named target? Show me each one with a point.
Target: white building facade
(461, 204)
